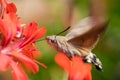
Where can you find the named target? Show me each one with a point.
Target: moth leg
(92, 58)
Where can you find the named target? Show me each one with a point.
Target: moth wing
(86, 34)
(80, 28)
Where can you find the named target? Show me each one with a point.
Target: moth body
(60, 43)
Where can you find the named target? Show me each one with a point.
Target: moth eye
(52, 41)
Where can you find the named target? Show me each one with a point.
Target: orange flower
(76, 68)
(16, 42)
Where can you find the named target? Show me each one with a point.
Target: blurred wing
(86, 34)
(80, 28)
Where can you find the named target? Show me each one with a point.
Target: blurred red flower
(76, 68)
(17, 42)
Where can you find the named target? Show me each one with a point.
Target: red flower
(17, 42)
(76, 68)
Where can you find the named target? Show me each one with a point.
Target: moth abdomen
(92, 59)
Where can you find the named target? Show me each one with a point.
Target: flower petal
(29, 63)
(30, 29)
(79, 69)
(31, 51)
(76, 68)
(17, 71)
(4, 62)
(35, 36)
(9, 21)
(8, 28)
(62, 60)
(11, 8)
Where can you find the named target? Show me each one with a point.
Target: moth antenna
(64, 30)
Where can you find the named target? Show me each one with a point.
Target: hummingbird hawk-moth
(80, 41)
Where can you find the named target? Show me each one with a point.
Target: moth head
(51, 40)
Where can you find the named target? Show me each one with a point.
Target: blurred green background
(52, 14)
